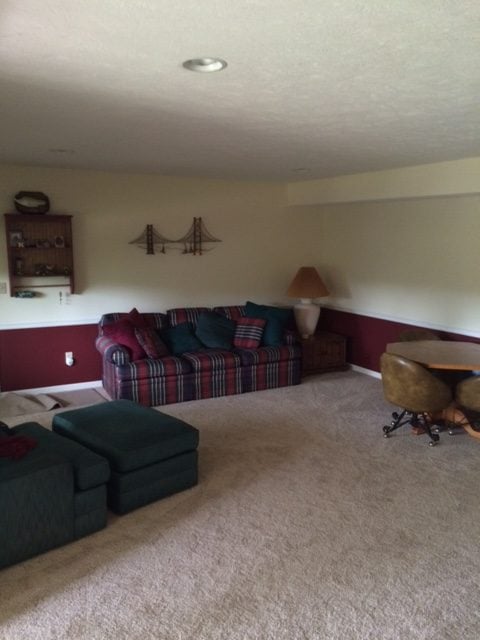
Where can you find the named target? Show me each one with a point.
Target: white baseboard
(98, 383)
(63, 387)
(368, 372)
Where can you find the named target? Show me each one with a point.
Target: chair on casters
(467, 396)
(418, 392)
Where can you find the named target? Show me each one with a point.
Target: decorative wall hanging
(149, 238)
(31, 202)
(196, 237)
(193, 241)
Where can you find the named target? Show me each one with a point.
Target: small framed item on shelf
(15, 239)
(59, 242)
(43, 244)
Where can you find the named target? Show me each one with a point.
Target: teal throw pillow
(181, 338)
(278, 319)
(215, 331)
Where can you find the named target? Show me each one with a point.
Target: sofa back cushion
(278, 320)
(185, 314)
(233, 312)
(155, 320)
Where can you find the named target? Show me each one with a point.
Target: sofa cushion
(155, 320)
(215, 331)
(185, 314)
(265, 355)
(151, 342)
(234, 312)
(181, 338)
(248, 333)
(278, 319)
(150, 368)
(123, 332)
(212, 360)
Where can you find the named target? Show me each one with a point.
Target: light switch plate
(3, 287)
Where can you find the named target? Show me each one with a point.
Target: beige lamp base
(306, 316)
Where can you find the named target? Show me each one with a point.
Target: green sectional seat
(53, 495)
(151, 454)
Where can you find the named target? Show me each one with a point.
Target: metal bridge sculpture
(193, 241)
(196, 237)
(149, 238)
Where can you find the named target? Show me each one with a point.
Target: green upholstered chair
(467, 396)
(55, 494)
(415, 390)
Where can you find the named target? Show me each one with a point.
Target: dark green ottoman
(152, 455)
(53, 495)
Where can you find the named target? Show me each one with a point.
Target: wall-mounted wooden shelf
(40, 251)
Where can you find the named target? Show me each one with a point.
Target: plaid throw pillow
(248, 333)
(151, 343)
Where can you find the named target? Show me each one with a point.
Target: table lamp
(307, 285)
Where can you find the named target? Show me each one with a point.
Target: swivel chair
(467, 396)
(418, 392)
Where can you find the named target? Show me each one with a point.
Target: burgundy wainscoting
(367, 336)
(31, 358)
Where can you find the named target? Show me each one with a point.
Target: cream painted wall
(416, 261)
(453, 178)
(411, 260)
(262, 243)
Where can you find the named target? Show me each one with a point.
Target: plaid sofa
(194, 375)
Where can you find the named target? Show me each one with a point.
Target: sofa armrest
(112, 351)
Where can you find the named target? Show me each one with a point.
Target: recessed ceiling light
(205, 65)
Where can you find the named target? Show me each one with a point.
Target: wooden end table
(324, 351)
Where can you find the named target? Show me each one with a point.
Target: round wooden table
(440, 354)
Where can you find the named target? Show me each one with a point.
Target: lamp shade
(307, 284)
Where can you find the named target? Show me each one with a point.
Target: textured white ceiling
(328, 86)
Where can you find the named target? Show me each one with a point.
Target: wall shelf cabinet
(40, 252)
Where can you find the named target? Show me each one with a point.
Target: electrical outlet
(69, 359)
(3, 287)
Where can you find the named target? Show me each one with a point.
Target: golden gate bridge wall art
(196, 237)
(149, 238)
(193, 241)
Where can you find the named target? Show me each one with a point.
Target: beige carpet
(307, 524)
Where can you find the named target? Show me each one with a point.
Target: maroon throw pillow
(136, 318)
(248, 333)
(123, 332)
(151, 343)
